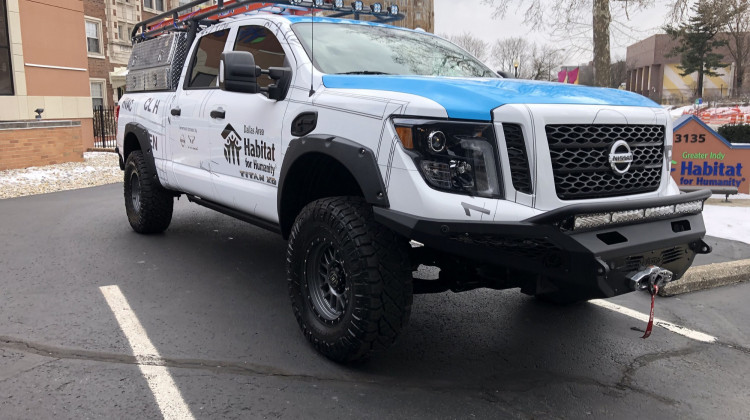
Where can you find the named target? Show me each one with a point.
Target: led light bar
(689, 207)
(595, 220)
(627, 216)
(591, 221)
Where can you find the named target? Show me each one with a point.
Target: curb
(709, 276)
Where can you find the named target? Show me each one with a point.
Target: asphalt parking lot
(210, 297)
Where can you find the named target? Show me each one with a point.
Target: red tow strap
(654, 290)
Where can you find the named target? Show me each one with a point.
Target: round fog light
(436, 140)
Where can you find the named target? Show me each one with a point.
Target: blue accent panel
(474, 99)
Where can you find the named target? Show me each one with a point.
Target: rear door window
(204, 68)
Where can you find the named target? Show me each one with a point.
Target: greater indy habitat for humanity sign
(703, 158)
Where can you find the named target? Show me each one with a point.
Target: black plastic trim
(359, 160)
(304, 123)
(249, 218)
(578, 260)
(141, 133)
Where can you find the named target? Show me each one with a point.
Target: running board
(253, 220)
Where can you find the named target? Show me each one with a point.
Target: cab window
(204, 69)
(264, 46)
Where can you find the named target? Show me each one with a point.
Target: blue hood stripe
(474, 99)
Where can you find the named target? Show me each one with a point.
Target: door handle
(176, 112)
(218, 114)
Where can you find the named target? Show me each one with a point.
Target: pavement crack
(733, 346)
(627, 382)
(247, 369)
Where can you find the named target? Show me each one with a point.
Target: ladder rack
(171, 21)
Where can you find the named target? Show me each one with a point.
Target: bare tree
(475, 46)
(570, 16)
(618, 73)
(509, 51)
(545, 62)
(738, 36)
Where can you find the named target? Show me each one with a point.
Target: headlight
(458, 157)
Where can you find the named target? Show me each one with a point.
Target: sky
(453, 17)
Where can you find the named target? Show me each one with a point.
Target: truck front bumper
(548, 249)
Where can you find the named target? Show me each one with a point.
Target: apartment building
(108, 24)
(44, 74)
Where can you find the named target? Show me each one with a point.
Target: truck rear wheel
(147, 204)
(349, 279)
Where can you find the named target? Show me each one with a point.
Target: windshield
(368, 49)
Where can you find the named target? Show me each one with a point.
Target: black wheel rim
(135, 192)
(326, 281)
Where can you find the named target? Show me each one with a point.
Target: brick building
(108, 25)
(43, 67)
(419, 14)
(652, 74)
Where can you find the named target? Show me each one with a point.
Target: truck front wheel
(147, 204)
(349, 279)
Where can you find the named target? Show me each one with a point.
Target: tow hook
(649, 278)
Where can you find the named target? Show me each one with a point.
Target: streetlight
(515, 67)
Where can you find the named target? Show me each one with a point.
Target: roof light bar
(207, 14)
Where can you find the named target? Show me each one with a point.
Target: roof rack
(171, 20)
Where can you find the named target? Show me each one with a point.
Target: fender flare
(142, 134)
(359, 160)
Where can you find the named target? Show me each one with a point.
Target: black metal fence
(105, 127)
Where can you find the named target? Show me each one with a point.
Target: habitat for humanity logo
(232, 147)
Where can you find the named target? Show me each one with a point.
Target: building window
(154, 5)
(6, 72)
(97, 93)
(93, 37)
(124, 31)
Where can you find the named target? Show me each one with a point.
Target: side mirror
(238, 72)
(282, 76)
(504, 74)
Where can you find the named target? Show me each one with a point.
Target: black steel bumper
(596, 262)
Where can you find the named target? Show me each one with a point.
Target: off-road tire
(376, 291)
(147, 204)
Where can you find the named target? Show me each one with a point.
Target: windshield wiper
(364, 72)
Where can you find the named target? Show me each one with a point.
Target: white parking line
(166, 393)
(692, 334)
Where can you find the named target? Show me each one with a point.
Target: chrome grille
(580, 159)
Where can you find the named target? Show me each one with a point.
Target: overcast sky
(458, 16)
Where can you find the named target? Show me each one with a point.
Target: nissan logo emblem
(620, 157)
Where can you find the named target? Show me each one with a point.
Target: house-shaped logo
(232, 146)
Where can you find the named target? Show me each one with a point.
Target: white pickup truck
(375, 149)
